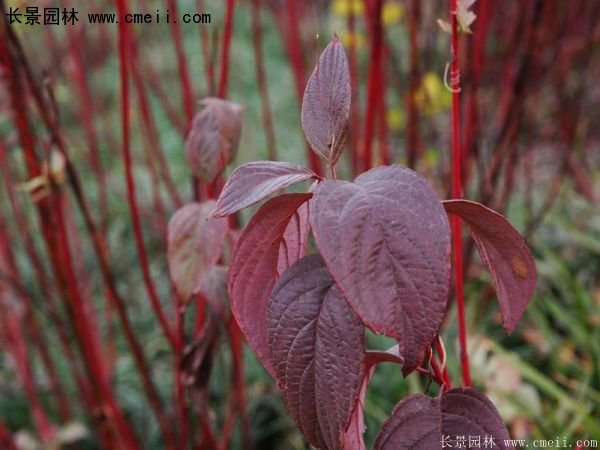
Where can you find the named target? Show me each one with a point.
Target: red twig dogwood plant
(383, 263)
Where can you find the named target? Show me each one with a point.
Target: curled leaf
(504, 253)
(386, 241)
(194, 246)
(326, 103)
(214, 137)
(255, 181)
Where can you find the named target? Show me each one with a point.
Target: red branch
(186, 85)
(222, 91)
(374, 79)
(457, 193)
(131, 196)
(261, 80)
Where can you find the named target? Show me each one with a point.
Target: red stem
(101, 250)
(87, 114)
(206, 54)
(438, 374)
(119, 303)
(262, 80)
(439, 348)
(6, 439)
(182, 412)
(288, 25)
(32, 326)
(186, 85)
(412, 123)
(55, 236)
(457, 193)
(47, 287)
(354, 83)
(385, 157)
(151, 133)
(222, 91)
(477, 61)
(13, 321)
(374, 78)
(131, 195)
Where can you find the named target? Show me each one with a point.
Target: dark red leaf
(326, 103)
(194, 246)
(317, 345)
(255, 181)
(213, 138)
(253, 269)
(504, 253)
(386, 241)
(295, 239)
(421, 422)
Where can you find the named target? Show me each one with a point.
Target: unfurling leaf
(317, 345)
(194, 246)
(386, 241)
(423, 422)
(255, 181)
(214, 137)
(253, 269)
(326, 103)
(504, 253)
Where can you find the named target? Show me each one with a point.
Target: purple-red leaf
(317, 345)
(504, 253)
(255, 181)
(421, 422)
(194, 246)
(213, 138)
(326, 103)
(386, 241)
(295, 239)
(253, 269)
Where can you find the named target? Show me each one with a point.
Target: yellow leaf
(431, 97)
(392, 13)
(343, 8)
(395, 118)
